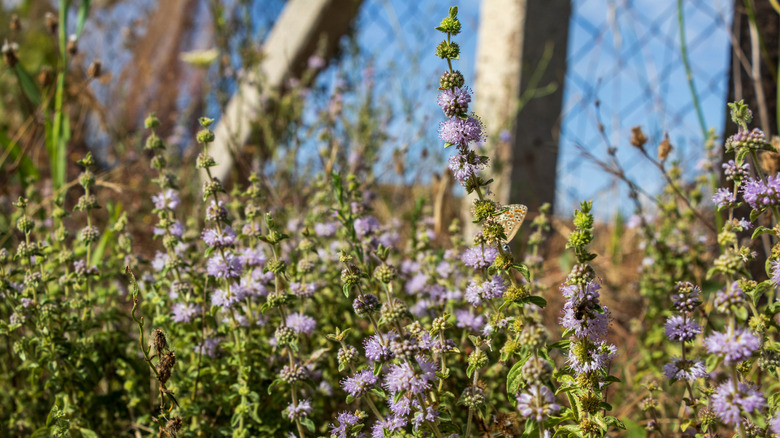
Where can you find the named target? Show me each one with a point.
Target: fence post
(296, 36)
(521, 64)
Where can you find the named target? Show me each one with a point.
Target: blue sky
(624, 53)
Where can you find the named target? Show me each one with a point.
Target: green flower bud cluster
(473, 397)
(448, 50)
(151, 121)
(740, 113)
(284, 336)
(153, 143)
(516, 293)
(87, 179)
(205, 161)
(483, 209)
(450, 25)
(292, 374)
(581, 274)
(347, 355)
(25, 224)
(89, 234)
(276, 266)
(478, 359)
(393, 311)
(385, 273)
(536, 370)
(210, 188)
(452, 80)
(86, 203)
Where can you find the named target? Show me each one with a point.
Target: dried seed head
(73, 45)
(664, 148)
(165, 366)
(52, 23)
(173, 426)
(159, 342)
(95, 70)
(46, 76)
(638, 138)
(9, 53)
(16, 24)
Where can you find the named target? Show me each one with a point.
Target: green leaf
(41, 433)
(514, 377)
(100, 248)
(346, 289)
(28, 85)
(523, 270)
(634, 429)
(448, 144)
(308, 424)
(610, 379)
(761, 230)
(754, 214)
(57, 142)
(273, 384)
(563, 344)
(83, 12)
(535, 299)
(24, 166)
(87, 433)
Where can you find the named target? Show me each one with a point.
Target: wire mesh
(624, 54)
(627, 56)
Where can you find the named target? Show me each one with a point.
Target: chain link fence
(625, 54)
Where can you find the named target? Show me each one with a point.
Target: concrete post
(295, 37)
(521, 63)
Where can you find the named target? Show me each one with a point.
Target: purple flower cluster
(679, 369)
(487, 290)
(724, 198)
(761, 195)
(344, 422)
(681, 329)
(302, 324)
(217, 238)
(184, 312)
(302, 409)
(359, 384)
(729, 401)
(462, 131)
(455, 102)
(775, 277)
(167, 199)
(365, 226)
(537, 403)
(733, 345)
(404, 377)
(479, 257)
(595, 359)
(376, 350)
(736, 172)
(470, 321)
(393, 423)
(228, 266)
(465, 166)
(582, 312)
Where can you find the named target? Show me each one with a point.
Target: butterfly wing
(511, 219)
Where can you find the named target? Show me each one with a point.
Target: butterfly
(511, 217)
